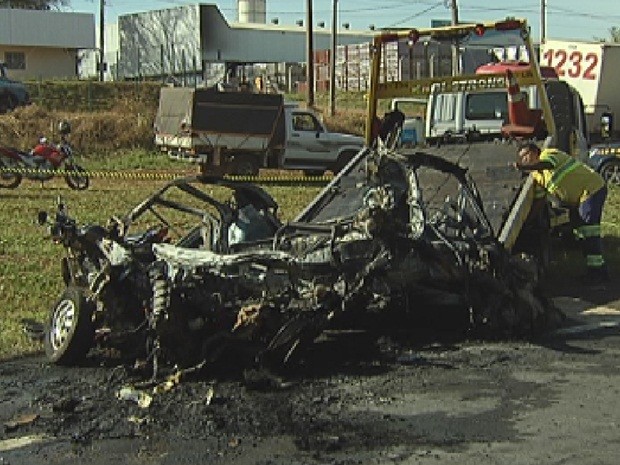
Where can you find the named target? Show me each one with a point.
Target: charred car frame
(376, 241)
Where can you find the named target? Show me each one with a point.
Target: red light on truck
(479, 30)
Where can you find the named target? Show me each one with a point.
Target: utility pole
(455, 12)
(309, 55)
(101, 39)
(543, 20)
(455, 45)
(332, 61)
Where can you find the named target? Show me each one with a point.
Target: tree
(34, 4)
(614, 33)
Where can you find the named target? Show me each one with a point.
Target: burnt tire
(69, 331)
(611, 172)
(77, 177)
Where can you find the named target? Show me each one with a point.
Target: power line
(376, 12)
(420, 13)
(568, 11)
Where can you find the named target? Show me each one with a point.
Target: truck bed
(205, 118)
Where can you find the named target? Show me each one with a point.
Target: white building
(197, 41)
(89, 59)
(38, 44)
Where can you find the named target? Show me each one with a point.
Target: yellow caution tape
(159, 176)
(278, 179)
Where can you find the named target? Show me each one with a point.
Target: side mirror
(42, 217)
(607, 125)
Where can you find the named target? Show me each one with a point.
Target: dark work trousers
(590, 212)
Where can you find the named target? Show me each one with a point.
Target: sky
(565, 19)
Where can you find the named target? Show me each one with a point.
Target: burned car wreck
(391, 234)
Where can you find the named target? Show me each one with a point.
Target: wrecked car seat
(249, 226)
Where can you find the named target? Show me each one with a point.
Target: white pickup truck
(239, 133)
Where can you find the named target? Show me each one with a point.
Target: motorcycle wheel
(76, 177)
(69, 332)
(8, 179)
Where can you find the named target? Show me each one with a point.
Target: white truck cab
(309, 146)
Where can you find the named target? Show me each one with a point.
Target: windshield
(492, 47)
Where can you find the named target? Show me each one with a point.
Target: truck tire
(561, 102)
(244, 165)
(611, 172)
(313, 173)
(343, 160)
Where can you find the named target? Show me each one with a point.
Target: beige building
(44, 44)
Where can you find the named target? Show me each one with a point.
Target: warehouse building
(37, 44)
(196, 44)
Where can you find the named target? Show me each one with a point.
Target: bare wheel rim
(62, 323)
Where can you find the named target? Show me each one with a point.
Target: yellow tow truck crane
(506, 195)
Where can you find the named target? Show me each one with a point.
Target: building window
(15, 60)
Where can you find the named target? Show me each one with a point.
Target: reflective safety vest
(569, 180)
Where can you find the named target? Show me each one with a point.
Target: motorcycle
(42, 163)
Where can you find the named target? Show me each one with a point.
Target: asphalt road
(553, 400)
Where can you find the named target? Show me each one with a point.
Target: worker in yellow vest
(575, 185)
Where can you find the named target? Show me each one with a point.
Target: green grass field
(29, 263)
